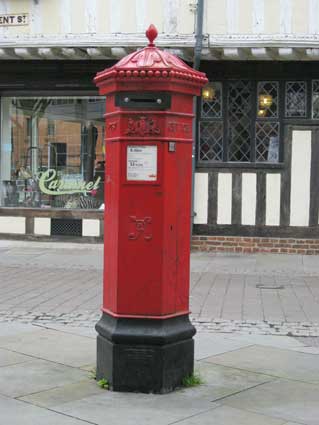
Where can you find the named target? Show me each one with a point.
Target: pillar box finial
(151, 33)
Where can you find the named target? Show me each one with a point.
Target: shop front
(257, 180)
(52, 157)
(257, 154)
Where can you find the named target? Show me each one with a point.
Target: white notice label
(141, 163)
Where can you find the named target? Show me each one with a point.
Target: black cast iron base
(144, 355)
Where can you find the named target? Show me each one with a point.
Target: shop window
(267, 99)
(267, 124)
(211, 130)
(211, 141)
(296, 99)
(315, 99)
(52, 152)
(267, 141)
(239, 131)
(212, 101)
(239, 122)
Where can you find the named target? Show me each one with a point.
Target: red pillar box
(144, 335)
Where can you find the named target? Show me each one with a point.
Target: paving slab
(131, 409)
(289, 400)
(14, 412)
(68, 349)
(64, 394)
(74, 330)
(272, 361)
(269, 340)
(8, 329)
(208, 344)
(37, 375)
(307, 350)
(220, 381)
(9, 358)
(226, 415)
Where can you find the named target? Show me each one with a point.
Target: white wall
(224, 198)
(170, 16)
(300, 178)
(201, 198)
(12, 225)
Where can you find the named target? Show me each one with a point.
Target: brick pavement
(261, 293)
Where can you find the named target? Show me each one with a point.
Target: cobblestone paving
(259, 293)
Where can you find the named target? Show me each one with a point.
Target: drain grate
(266, 286)
(66, 227)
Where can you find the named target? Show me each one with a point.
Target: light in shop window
(262, 113)
(208, 93)
(265, 101)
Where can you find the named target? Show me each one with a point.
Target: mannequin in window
(89, 137)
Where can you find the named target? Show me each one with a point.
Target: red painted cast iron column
(144, 335)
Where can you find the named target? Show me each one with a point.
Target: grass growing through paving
(92, 374)
(189, 381)
(192, 380)
(103, 383)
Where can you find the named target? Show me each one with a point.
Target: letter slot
(148, 100)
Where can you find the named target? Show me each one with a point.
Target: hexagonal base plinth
(141, 355)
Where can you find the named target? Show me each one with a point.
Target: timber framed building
(257, 147)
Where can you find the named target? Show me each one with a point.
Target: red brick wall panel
(255, 245)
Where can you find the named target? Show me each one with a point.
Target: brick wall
(255, 244)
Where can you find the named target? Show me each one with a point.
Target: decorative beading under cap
(151, 62)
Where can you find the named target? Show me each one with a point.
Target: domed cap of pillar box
(151, 64)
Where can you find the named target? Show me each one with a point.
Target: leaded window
(296, 99)
(267, 99)
(243, 120)
(315, 99)
(212, 102)
(211, 141)
(267, 141)
(239, 101)
(211, 126)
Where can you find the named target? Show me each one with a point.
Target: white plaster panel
(224, 198)
(201, 198)
(215, 17)
(140, 15)
(285, 16)
(313, 13)
(90, 227)
(232, 16)
(115, 21)
(300, 178)
(258, 16)
(248, 198)
(65, 16)
(42, 226)
(272, 17)
(300, 21)
(273, 184)
(36, 17)
(4, 11)
(91, 15)
(245, 18)
(12, 225)
(170, 16)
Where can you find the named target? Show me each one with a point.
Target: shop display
(59, 136)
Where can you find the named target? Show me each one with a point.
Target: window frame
(281, 119)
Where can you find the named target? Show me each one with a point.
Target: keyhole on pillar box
(171, 227)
